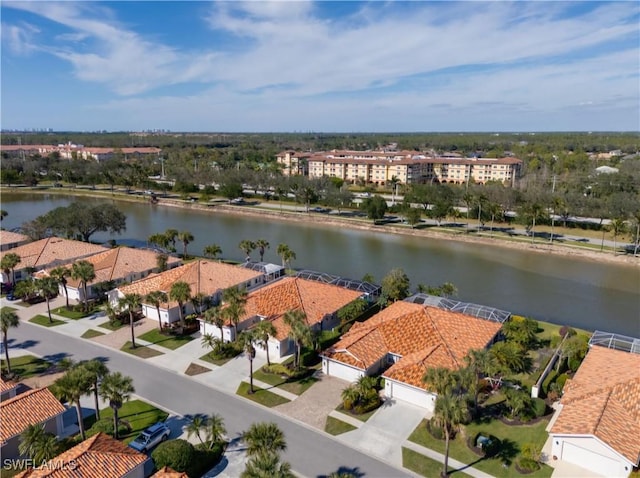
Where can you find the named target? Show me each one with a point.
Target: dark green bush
(105, 425)
(177, 454)
(527, 464)
(539, 407)
(561, 380)
(205, 458)
(224, 350)
(365, 407)
(574, 364)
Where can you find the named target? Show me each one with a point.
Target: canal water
(563, 290)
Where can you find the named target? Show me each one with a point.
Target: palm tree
(131, 302)
(557, 203)
(215, 429)
(84, 272)
(262, 332)
(264, 437)
(450, 411)
(8, 319)
(262, 245)
(394, 181)
(180, 292)
(247, 247)
(246, 338)
(210, 341)
(286, 253)
(467, 198)
(494, 209)
(481, 362)
(618, 226)
(161, 261)
(199, 301)
(535, 212)
(212, 251)
(214, 316)
(8, 263)
(440, 379)
(196, 426)
(267, 465)
(186, 238)
(236, 300)
(160, 240)
(299, 332)
(75, 383)
(48, 288)
(155, 298)
(60, 274)
(117, 389)
(97, 371)
(39, 445)
(171, 235)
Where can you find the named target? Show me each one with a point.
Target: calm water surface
(562, 290)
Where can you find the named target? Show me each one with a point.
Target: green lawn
(333, 426)
(423, 465)
(109, 326)
(27, 366)
(512, 438)
(168, 341)
(91, 333)
(297, 387)
(10, 309)
(363, 417)
(44, 320)
(141, 351)
(138, 414)
(72, 314)
(264, 397)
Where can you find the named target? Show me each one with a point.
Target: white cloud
(20, 38)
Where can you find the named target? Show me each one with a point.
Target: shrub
(224, 350)
(574, 364)
(527, 464)
(177, 454)
(565, 330)
(560, 381)
(364, 407)
(205, 458)
(539, 407)
(105, 425)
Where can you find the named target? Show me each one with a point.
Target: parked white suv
(151, 437)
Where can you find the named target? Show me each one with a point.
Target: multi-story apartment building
(379, 167)
(293, 163)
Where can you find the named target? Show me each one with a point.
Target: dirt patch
(195, 369)
(121, 336)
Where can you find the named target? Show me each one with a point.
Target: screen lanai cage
(371, 290)
(615, 341)
(467, 308)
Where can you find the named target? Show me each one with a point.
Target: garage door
(412, 395)
(594, 462)
(336, 369)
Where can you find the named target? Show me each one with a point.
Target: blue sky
(325, 66)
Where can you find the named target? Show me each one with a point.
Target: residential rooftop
(28, 408)
(52, 251)
(8, 237)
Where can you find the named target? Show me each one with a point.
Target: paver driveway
(314, 405)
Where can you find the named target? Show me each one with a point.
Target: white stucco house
(597, 425)
(11, 240)
(405, 340)
(319, 302)
(206, 277)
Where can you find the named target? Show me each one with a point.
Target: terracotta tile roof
(5, 386)
(166, 472)
(8, 237)
(423, 337)
(97, 457)
(52, 250)
(121, 262)
(28, 408)
(315, 299)
(206, 277)
(603, 399)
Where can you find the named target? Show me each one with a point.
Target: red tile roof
(315, 299)
(52, 250)
(28, 408)
(603, 399)
(8, 237)
(5, 386)
(166, 472)
(205, 277)
(121, 262)
(424, 337)
(97, 457)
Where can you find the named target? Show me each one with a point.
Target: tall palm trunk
(66, 293)
(445, 467)
(48, 308)
(266, 348)
(250, 373)
(181, 314)
(86, 297)
(533, 230)
(5, 344)
(115, 422)
(95, 399)
(80, 422)
(133, 336)
(553, 222)
(159, 319)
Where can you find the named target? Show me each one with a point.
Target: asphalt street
(310, 452)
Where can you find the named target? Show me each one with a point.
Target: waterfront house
(11, 240)
(403, 341)
(205, 277)
(597, 425)
(319, 301)
(48, 253)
